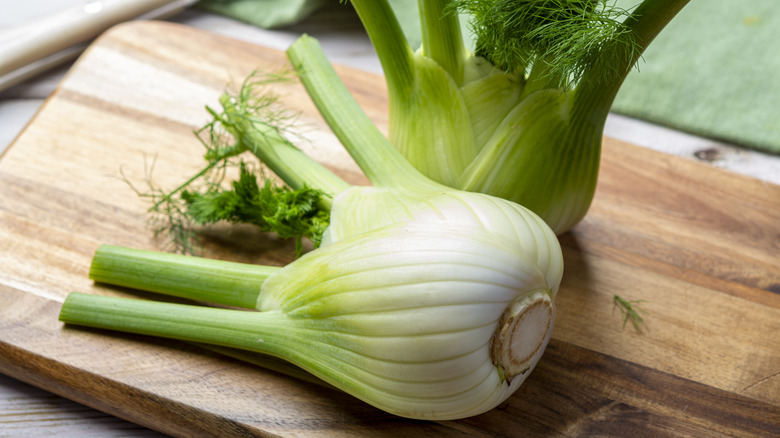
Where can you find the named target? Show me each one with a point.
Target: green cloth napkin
(714, 71)
(268, 14)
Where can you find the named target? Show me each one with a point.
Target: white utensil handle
(28, 43)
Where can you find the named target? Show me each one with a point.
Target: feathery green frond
(286, 212)
(204, 199)
(560, 40)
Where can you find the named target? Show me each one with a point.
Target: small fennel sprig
(167, 216)
(630, 311)
(205, 198)
(288, 213)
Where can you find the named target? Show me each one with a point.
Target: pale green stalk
(428, 117)
(227, 283)
(441, 38)
(390, 43)
(373, 153)
(268, 333)
(644, 23)
(287, 161)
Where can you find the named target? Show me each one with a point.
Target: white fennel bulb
(421, 319)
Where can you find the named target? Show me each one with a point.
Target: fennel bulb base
(523, 333)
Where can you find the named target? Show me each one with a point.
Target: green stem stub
(225, 327)
(227, 283)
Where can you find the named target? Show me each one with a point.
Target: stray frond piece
(167, 215)
(630, 311)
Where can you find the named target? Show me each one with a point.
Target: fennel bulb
(420, 319)
(422, 300)
(440, 310)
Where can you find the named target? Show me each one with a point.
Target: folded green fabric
(268, 14)
(714, 71)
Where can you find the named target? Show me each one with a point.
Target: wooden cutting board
(700, 245)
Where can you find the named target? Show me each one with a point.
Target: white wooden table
(28, 411)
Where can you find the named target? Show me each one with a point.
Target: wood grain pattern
(700, 245)
(24, 408)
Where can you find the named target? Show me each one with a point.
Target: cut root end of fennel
(523, 333)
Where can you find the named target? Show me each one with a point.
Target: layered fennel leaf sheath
(521, 114)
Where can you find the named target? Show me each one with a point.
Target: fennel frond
(630, 311)
(206, 198)
(558, 40)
